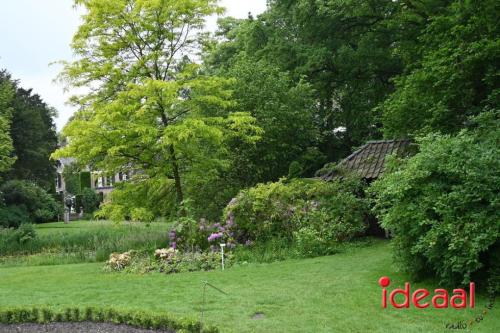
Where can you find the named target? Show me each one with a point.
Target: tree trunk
(177, 177)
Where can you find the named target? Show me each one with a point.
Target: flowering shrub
(191, 235)
(167, 261)
(166, 254)
(119, 261)
(334, 210)
(177, 262)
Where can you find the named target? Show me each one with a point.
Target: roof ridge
(387, 141)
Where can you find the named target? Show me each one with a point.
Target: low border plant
(139, 319)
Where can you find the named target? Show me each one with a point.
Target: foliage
(90, 200)
(39, 205)
(139, 319)
(23, 234)
(13, 216)
(282, 108)
(141, 215)
(442, 205)
(85, 180)
(6, 94)
(130, 195)
(334, 209)
(33, 135)
(341, 49)
(152, 109)
(453, 54)
(71, 175)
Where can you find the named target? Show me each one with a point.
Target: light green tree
(6, 94)
(149, 108)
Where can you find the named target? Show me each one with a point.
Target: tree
(285, 112)
(150, 108)
(6, 94)
(342, 49)
(451, 70)
(33, 135)
(442, 204)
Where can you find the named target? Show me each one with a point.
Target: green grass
(338, 293)
(81, 241)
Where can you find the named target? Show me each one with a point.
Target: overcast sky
(35, 33)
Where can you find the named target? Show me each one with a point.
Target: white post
(222, 254)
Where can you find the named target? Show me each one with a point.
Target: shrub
(13, 216)
(90, 200)
(142, 215)
(167, 261)
(310, 243)
(20, 236)
(39, 205)
(118, 261)
(156, 195)
(335, 210)
(442, 205)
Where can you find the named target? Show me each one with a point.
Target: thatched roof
(369, 160)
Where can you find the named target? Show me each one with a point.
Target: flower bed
(167, 261)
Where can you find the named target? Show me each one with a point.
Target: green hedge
(84, 180)
(137, 319)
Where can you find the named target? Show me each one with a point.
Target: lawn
(337, 293)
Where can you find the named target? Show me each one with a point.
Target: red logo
(439, 300)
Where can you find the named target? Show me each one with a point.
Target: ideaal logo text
(422, 298)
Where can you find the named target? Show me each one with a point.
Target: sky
(35, 34)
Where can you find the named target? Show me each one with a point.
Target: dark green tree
(33, 136)
(343, 49)
(452, 55)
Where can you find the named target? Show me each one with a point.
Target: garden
(321, 167)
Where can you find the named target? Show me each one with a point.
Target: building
(369, 162)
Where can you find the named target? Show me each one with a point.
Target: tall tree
(6, 94)
(452, 69)
(33, 134)
(150, 109)
(343, 49)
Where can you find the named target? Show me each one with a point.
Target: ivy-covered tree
(6, 94)
(150, 108)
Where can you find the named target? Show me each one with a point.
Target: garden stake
(205, 284)
(222, 245)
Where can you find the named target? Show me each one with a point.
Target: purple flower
(172, 234)
(214, 236)
(173, 245)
